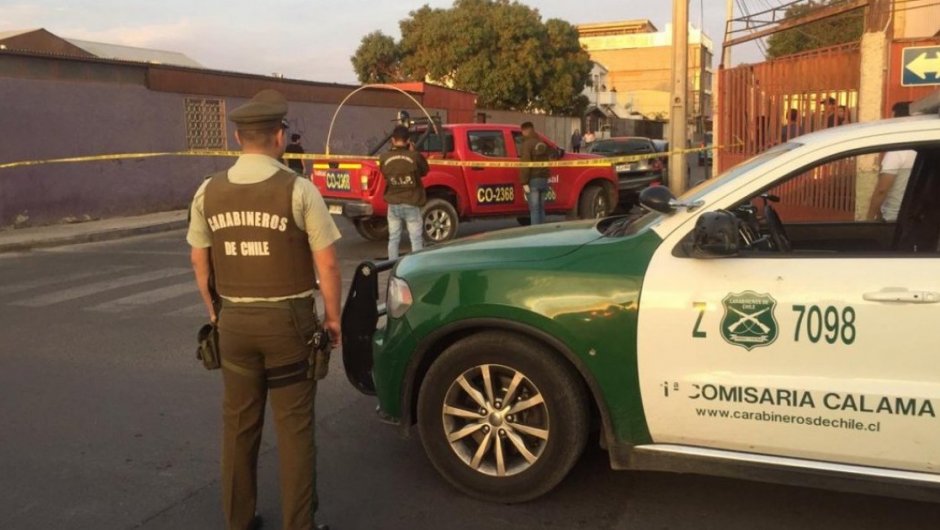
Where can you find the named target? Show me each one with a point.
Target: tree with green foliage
(377, 59)
(847, 27)
(499, 49)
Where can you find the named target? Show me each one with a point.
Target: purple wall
(42, 119)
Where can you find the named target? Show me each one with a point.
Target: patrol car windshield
(707, 186)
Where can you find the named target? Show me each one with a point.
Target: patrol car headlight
(399, 297)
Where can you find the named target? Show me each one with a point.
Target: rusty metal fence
(768, 103)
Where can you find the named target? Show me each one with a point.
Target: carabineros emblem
(749, 319)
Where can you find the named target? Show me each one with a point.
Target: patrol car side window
(487, 143)
(860, 204)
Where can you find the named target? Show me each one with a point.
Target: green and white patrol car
(780, 322)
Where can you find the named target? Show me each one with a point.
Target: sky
(311, 40)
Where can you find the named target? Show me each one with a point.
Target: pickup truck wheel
(440, 220)
(594, 203)
(500, 418)
(372, 228)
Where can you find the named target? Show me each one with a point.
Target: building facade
(635, 60)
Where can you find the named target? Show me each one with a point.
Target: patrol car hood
(537, 243)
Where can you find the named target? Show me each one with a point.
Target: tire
(557, 428)
(440, 221)
(524, 221)
(372, 228)
(594, 203)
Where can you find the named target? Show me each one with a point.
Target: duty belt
(267, 304)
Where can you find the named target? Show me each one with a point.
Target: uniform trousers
(264, 353)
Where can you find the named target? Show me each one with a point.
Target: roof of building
(16, 32)
(620, 27)
(42, 40)
(104, 50)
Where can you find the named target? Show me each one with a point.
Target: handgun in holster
(208, 349)
(207, 338)
(320, 345)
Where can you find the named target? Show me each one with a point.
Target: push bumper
(360, 316)
(349, 208)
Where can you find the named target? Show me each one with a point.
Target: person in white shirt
(892, 179)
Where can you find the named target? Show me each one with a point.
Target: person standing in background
(534, 179)
(588, 140)
(895, 171)
(576, 141)
(294, 147)
(403, 168)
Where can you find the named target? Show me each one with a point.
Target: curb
(91, 237)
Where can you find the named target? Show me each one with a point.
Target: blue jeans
(538, 188)
(411, 215)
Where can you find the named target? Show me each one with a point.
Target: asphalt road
(109, 422)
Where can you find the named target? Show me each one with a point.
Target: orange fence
(768, 103)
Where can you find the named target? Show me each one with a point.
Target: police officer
(403, 167)
(534, 179)
(263, 231)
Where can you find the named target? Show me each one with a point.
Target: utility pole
(678, 115)
(718, 104)
(726, 50)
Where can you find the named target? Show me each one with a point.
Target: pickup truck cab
(775, 323)
(354, 189)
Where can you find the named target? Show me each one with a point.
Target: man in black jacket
(534, 179)
(403, 168)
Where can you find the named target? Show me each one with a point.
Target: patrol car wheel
(372, 228)
(440, 221)
(594, 203)
(500, 419)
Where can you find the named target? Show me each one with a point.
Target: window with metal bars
(205, 124)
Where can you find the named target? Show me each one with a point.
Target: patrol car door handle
(903, 296)
(477, 168)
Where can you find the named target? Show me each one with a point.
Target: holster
(317, 339)
(207, 350)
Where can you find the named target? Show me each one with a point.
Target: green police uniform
(262, 224)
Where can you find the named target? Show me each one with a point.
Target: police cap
(264, 111)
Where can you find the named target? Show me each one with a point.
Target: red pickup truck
(354, 189)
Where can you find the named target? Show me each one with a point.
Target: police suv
(779, 323)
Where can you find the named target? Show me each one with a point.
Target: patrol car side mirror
(658, 199)
(559, 153)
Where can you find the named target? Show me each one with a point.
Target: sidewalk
(15, 240)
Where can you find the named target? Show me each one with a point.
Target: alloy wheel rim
(495, 420)
(437, 225)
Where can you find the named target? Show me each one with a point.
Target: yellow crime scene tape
(319, 158)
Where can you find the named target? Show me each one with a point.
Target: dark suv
(632, 177)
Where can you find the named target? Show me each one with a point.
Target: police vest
(258, 251)
(403, 171)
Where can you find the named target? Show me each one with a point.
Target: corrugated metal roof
(131, 53)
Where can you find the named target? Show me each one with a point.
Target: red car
(354, 189)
